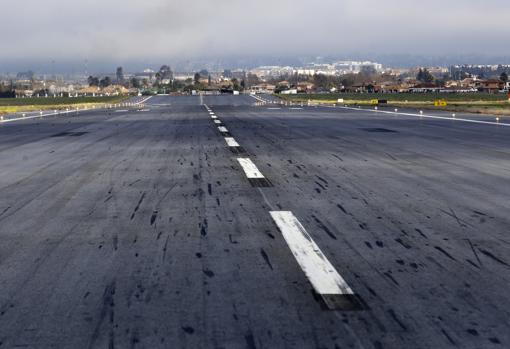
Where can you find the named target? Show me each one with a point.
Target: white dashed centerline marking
(214, 117)
(324, 278)
(231, 142)
(223, 129)
(217, 121)
(251, 171)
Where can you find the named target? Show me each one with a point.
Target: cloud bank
(172, 29)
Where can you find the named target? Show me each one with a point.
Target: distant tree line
(7, 91)
(425, 76)
(95, 81)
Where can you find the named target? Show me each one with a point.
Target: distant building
(263, 88)
(423, 88)
(265, 72)
(305, 86)
(239, 74)
(289, 92)
(481, 71)
(183, 76)
(89, 91)
(23, 93)
(490, 86)
(147, 74)
(115, 90)
(331, 69)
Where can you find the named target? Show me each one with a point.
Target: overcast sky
(115, 30)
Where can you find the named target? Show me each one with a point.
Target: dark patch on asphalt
(320, 185)
(232, 241)
(397, 320)
(378, 130)
(341, 208)
(237, 150)
(260, 182)
(209, 273)
(188, 329)
(444, 252)
(5, 210)
(203, 228)
(266, 258)
(130, 184)
(107, 311)
(472, 331)
(494, 340)
(322, 179)
(115, 242)
(165, 248)
(389, 276)
(400, 241)
(69, 134)
(462, 223)
(138, 205)
(250, 341)
(345, 302)
(323, 227)
(421, 233)
(490, 255)
(153, 217)
(448, 336)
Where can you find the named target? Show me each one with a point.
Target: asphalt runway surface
(224, 222)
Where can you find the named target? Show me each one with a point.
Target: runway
(228, 222)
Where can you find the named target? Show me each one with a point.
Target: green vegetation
(58, 100)
(425, 76)
(14, 105)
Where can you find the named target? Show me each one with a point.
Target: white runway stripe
(222, 129)
(231, 142)
(214, 117)
(429, 116)
(143, 100)
(317, 268)
(249, 168)
(217, 121)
